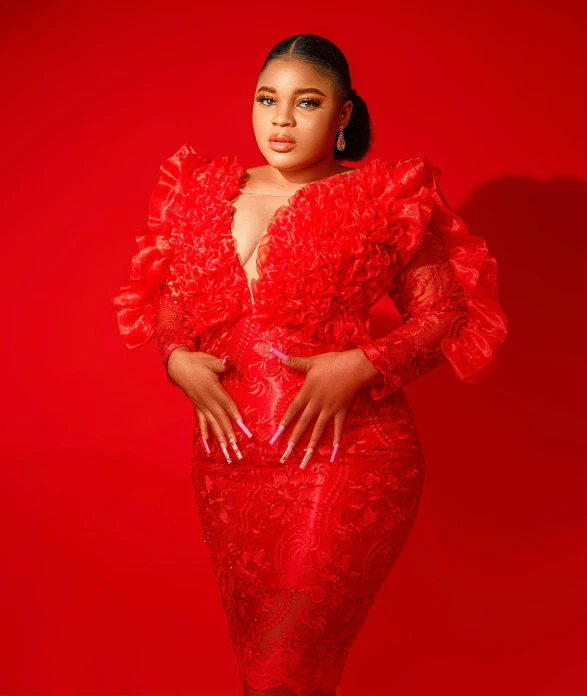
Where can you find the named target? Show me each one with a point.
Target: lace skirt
(300, 554)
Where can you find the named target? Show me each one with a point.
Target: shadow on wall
(536, 231)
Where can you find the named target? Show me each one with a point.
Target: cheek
(314, 135)
(258, 121)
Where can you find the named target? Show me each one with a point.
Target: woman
(256, 285)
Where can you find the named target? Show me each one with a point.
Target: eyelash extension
(313, 102)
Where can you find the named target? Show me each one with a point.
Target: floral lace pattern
(300, 554)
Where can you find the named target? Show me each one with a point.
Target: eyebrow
(303, 90)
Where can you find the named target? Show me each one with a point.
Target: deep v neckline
(267, 235)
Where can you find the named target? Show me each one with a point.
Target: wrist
(175, 350)
(367, 373)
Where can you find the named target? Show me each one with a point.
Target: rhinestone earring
(340, 141)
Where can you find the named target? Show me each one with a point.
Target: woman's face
(292, 99)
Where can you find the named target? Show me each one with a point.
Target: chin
(280, 159)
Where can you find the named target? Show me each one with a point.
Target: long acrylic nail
(235, 448)
(244, 428)
(287, 452)
(223, 448)
(276, 434)
(334, 451)
(306, 458)
(206, 444)
(278, 353)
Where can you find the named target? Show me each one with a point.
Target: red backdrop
(107, 586)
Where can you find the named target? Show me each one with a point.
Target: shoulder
(174, 174)
(189, 171)
(405, 175)
(184, 164)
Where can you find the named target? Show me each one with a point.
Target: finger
(339, 421)
(214, 426)
(294, 408)
(229, 405)
(307, 416)
(297, 363)
(318, 431)
(220, 365)
(221, 416)
(203, 425)
(293, 361)
(319, 428)
(219, 433)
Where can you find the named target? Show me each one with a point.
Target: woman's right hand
(196, 374)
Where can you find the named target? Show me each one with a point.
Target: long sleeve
(149, 305)
(447, 296)
(432, 306)
(169, 330)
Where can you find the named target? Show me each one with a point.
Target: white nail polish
(235, 448)
(306, 458)
(223, 448)
(287, 452)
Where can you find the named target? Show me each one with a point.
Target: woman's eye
(310, 102)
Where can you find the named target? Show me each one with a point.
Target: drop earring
(340, 141)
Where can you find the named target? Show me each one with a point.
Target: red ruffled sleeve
(147, 304)
(447, 295)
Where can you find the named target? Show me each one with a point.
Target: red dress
(300, 554)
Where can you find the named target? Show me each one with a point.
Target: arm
(149, 304)
(170, 331)
(432, 306)
(446, 293)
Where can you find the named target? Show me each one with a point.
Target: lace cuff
(170, 333)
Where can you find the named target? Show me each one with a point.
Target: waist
(248, 341)
(262, 385)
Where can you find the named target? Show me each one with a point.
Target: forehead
(288, 75)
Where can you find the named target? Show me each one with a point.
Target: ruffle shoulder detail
(135, 301)
(473, 352)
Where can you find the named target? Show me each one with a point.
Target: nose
(281, 122)
(282, 117)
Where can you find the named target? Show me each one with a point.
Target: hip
(374, 431)
(262, 386)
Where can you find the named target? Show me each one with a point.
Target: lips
(281, 138)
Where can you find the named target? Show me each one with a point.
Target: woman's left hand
(332, 382)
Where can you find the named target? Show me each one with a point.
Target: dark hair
(328, 60)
